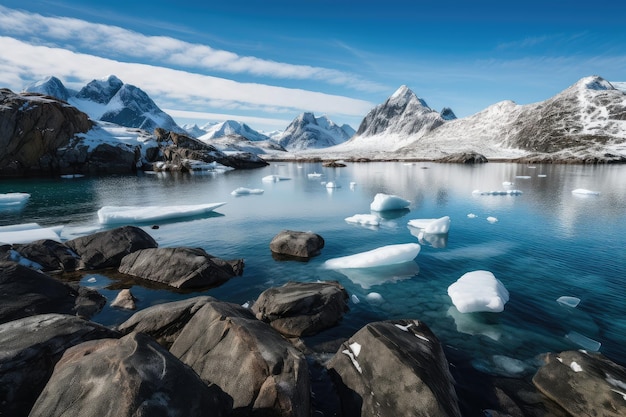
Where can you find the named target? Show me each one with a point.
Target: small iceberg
(497, 192)
(568, 301)
(584, 341)
(314, 175)
(139, 214)
(28, 232)
(13, 200)
(331, 184)
(274, 178)
(432, 226)
(584, 192)
(478, 291)
(385, 255)
(246, 191)
(384, 202)
(492, 219)
(364, 219)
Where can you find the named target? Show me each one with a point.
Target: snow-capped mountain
(110, 100)
(307, 131)
(194, 130)
(447, 114)
(230, 127)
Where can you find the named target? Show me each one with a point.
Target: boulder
(583, 383)
(110, 159)
(26, 292)
(125, 300)
(260, 370)
(29, 349)
(394, 368)
(53, 256)
(302, 308)
(164, 322)
(132, 376)
(464, 158)
(180, 267)
(106, 249)
(297, 244)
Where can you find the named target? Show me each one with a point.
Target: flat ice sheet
(28, 232)
(385, 255)
(139, 214)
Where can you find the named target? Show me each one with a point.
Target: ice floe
(139, 214)
(385, 255)
(384, 202)
(332, 184)
(432, 226)
(314, 175)
(568, 301)
(478, 291)
(13, 200)
(585, 192)
(28, 232)
(246, 191)
(492, 219)
(471, 216)
(274, 178)
(497, 192)
(583, 341)
(374, 297)
(364, 219)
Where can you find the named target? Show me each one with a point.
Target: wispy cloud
(119, 42)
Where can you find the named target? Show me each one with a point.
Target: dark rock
(583, 383)
(464, 158)
(110, 159)
(298, 244)
(89, 301)
(164, 322)
(29, 349)
(394, 368)
(181, 267)
(53, 256)
(106, 249)
(302, 308)
(262, 372)
(333, 164)
(131, 376)
(26, 292)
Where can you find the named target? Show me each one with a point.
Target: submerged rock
(297, 244)
(302, 308)
(394, 368)
(181, 267)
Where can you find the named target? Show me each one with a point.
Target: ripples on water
(546, 243)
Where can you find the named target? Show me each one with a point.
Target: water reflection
(369, 277)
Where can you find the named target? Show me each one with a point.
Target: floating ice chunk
(246, 191)
(541, 175)
(478, 291)
(582, 191)
(274, 178)
(383, 202)
(497, 192)
(575, 367)
(492, 219)
(91, 280)
(28, 232)
(432, 226)
(11, 201)
(138, 214)
(314, 175)
(375, 297)
(471, 216)
(332, 184)
(355, 299)
(584, 341)
(364, 219)
(568, 301)
(523, 177)
(385, 255)
(508, 184)
(352, 185)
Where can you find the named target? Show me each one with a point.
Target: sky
(265, 62)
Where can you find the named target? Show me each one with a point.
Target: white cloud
(118, 41)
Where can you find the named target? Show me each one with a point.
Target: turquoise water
(547, 243)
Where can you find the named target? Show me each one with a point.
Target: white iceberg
(432, 226)
(364, 219)
(568, 301)
(497, 192)
(331, 184)
(314, 175)
(492, 219)
(478, 291)
(274, 178)
(138, 214)
(28, 232)
(246, 191)
(385, 255)
(582, 191)
(13, 200)
(383, 202)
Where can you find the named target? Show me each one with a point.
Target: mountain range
(307, 131)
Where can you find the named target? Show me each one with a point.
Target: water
(547, 243)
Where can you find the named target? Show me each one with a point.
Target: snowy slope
(230, 127)
(307, 131)
(50, 86)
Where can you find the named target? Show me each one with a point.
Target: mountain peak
(50, 86)
(595, 82)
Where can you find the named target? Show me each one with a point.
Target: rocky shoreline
(202, 356)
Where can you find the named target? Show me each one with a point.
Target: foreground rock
(52, 256)
(464, 158)
(297, 244)
(106, 249)
(180, 267)
(29, 349)
(132, 376)
(262, 372)
(394, 368)
(583, 383)
(26, 292)
(302, 308)
(164, 322)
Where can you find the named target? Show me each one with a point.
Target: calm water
(547, 243)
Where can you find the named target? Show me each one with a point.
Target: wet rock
(302, 308)
(583, 383)
(53, 256)
(132, 376)
(124, 299)
(181, 267)
(297, 244)
(29, 349)
(262, 372)
(394, 368)
(106, 249)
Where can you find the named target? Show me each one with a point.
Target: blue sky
(265, 62)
